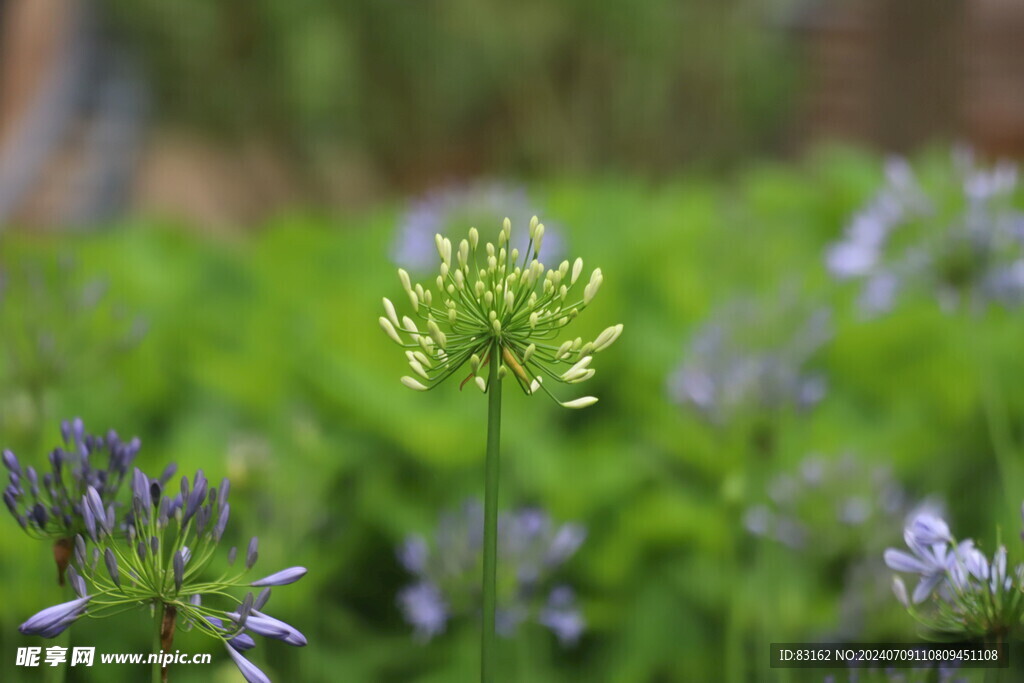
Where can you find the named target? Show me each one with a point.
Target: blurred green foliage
(457, 86)
(263, 362)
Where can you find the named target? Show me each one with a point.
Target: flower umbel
(494, 298)
(966, 593)
(158, 557)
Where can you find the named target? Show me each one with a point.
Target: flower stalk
(488, 637)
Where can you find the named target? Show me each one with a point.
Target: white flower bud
(436, 334)
(414, 383)
(404, 277)
(591, 289)
(463, 253)
(418, 369)
(584, 402)
(496, 324)
(414, 300)
(607, 338)
(389, 329)
(474, 238)
(528, 353)
(481, 383)
(534, 222)
(502, 371)
(453, 315)
(577, 370)
(389, 308)
(577, 268)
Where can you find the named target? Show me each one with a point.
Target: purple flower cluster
(731, 366)
(941, 563)
(481, 204)
(903, 238)
(50, 505)
(859, 500)
(154, 551)
(530, 547)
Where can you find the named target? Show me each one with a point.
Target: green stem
(488, 638)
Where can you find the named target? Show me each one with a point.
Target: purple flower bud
(33, 480)
(222, 522)
(168, 473)
(89, 519)
(184, 487)
(76, 581)
(242, 642)
(222, 497)
(53, 620)
(248, 669)
(281, 578)
(11, 462)
(232, 554)
(56, 461)
(269, 627)
(242, 615)
(12, 505)
(94, 502)
(179, 570)
(154, 545)
(141, 549)
(261, 599)
(195, 600)
(251, 554)
(79, 550)
(154, 492)
(199, 486)
(202, 519)
(115, 575)
(39, 515)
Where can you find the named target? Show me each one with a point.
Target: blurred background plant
(252, 168)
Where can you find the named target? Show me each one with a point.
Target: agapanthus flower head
(86, 469)
(749, 357)
(158, 554)
(480, 203)
(496, 302)
(907, 238)
(831, 507)
(966, 594)
(530, 547)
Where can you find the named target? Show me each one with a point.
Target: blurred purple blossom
(480, 204)
(906, 238)
(747, 358)
(448, 568)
